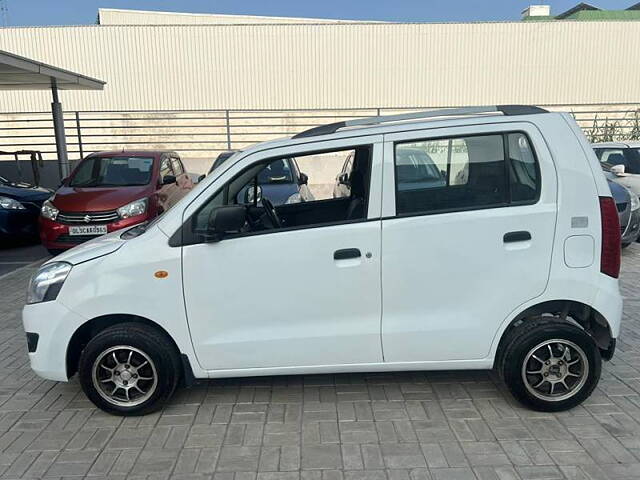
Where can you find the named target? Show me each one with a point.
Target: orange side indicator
(161, 274)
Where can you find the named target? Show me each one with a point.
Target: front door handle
(346, 253)
(520, 236)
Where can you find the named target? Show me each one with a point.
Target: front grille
(621, 206)
(75, 239)
(87, 217)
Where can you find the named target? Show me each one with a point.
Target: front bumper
(54, 324)
(55, 235)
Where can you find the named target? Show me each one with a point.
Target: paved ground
(13, 258)
(405, 426)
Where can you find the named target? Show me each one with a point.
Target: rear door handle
(520, 236)
(346, 253)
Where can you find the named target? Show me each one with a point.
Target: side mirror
(304, 179)
(618, 170)
(168, 179)
(343, 179)
(201, 177)
(225, 220)
(245, 195)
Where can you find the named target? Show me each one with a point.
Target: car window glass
(300, 199)
(112, 171)
(523, 171)
(177, 166)
(611, 156)
(450, 174)
(165, 167)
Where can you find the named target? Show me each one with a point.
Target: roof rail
(446, 112)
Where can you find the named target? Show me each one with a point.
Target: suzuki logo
(87, 219)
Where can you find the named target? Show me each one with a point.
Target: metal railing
(205, 133)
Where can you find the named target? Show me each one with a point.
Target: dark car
(281, 181)
(628, 207)
(20, 205)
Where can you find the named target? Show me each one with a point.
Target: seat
(355, 209)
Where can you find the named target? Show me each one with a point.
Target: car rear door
(460, 254)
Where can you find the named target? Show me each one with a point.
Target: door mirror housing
(618, 170)
(304, 179)
(201, 177)
(225, 220)
(343, 179)
(168, 179)
(246, 196)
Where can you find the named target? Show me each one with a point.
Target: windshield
(113, 172)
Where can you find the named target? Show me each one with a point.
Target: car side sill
(481, 364)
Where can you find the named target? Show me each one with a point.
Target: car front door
(463, 252)
(291, 297)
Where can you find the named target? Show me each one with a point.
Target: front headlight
(47, 282)
(635, 201)
(133, 209)
(295, 198)
(49, 211)
(7, 203)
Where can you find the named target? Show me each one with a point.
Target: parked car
(213, 288)
(107, 191)
(628, 206)
(282, 182)
(622, 160)
(20, 205)
(220, 159)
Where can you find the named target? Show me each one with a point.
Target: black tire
(519, 345)
(625, 245)
(147, 344)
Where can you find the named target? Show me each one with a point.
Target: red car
(107, 191)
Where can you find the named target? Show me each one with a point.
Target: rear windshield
(113, 172)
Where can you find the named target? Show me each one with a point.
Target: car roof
(621, 144)
(131, 153)
(395, 127)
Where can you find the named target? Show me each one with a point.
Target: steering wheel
(270, 211)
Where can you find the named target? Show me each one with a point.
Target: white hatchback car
(502, 250)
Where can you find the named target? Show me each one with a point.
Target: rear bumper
(55, 235)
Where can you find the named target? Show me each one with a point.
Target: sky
(78, 12)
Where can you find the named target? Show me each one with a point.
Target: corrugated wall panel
(335, 66)
(110, 16)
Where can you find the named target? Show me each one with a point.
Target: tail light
(610, 254)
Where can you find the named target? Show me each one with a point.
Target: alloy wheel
(124, 376)
(555, 370)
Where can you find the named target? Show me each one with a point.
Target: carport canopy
(21, 73)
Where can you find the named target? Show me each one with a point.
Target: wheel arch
(572, 311)
(91, 328)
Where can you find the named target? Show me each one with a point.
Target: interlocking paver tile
(388, 426)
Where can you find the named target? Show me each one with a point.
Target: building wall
(114, 16)
(351, 65)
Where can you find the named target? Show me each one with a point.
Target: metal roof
(21, 73)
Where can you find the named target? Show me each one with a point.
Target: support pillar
(58, 129)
